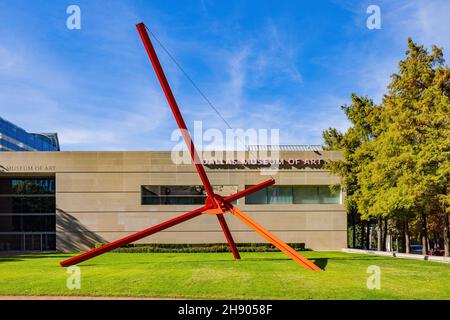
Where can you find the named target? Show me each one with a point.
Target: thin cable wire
(196, 87)
(189, 78)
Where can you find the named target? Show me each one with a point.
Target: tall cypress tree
(396, 157)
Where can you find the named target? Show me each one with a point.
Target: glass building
(27, 214)
(14, 138)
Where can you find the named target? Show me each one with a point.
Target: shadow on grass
(176, 262)
(321, 263)
(23, 257)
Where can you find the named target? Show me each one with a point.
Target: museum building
(70, 201)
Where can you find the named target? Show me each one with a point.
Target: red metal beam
(215, 202)
(250, 190)
(228, 236)
(174, 106)
(131, 238)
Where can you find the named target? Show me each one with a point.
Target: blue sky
(286, 65)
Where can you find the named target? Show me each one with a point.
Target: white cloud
(425, 21)
(234, 87)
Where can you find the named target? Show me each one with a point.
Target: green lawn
(218, 276)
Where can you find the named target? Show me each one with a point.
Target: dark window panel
(279, 195)
(259, 197)
(11, 242)
(27, 223)
(32, 204)
(294, 195)
(174, 195)
(32, 242)
(151, 200)
(162, 200)
(182, 200)
(306, 195)
(49, 242)
(10, 223)
(150, 190)
(173, 191)
(327, 196)
(27, 186)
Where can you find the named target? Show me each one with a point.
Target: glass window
(174, 195)
(259, 197)
(306, 195)
(32, 242)
(11, 242)
(27, 214)
(27, 223)
(27, 196)
(40, 204)
(294, 195)
(32, 223)
(27, 186)
(48, 242)
(33, 186)
(150, 200)
(10, 223)
(279, 195)
(182, 200)
(327, 196)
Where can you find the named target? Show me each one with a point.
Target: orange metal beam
(294, 255)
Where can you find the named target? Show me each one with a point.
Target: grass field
(218, 276)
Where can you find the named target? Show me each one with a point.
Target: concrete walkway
(399, 255)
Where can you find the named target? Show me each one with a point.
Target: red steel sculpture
(214, 204)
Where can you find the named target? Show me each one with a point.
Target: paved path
(399, 255)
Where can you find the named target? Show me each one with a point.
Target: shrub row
(199, 247)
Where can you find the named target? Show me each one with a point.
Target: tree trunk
(354, 229)
(384, 233)
(363, 235)
(380, 234)
(406, 236)
(403, 238)
(369, 235)
(424, 235)
(446, 233)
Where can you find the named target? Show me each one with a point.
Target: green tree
(396, 156)
(362, 113)
(412, 152)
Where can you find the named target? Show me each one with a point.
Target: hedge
(199, 247)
